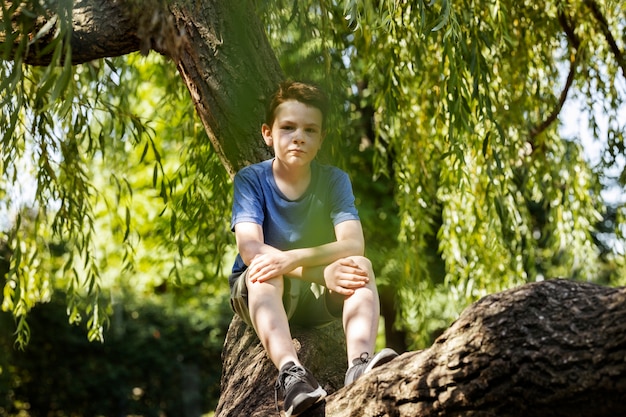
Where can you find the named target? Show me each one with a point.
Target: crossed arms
(329, 264)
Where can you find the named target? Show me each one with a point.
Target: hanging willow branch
(575, 42)
(604, 26)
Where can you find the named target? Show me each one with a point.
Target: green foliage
(161, 358)
(122, 182)
(33, 102)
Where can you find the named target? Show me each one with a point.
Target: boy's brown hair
(308, 93)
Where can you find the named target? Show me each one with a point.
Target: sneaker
(299, 388)
(364, 364)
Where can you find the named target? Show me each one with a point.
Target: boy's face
(296, 133)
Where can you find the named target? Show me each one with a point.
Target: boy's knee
(365, 264)
(276, 283)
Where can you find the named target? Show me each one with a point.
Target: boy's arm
(266, 262)
(250, 242)
(312, 261)
(337, 272)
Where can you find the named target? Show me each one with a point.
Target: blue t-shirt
(288, 224)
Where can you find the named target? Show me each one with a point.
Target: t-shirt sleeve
(247, 199)
(343, 207)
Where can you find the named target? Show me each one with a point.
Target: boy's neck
(291, 180)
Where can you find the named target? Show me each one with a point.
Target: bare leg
(270, 320)
(361, 313)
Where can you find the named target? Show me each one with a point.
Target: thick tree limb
(220, 48)
(101, 28)
(230, 70)
(553, 348)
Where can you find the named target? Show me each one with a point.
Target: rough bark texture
(220, 49)
(248, 375)
(555, 348)
(101, 28)
(230, 71)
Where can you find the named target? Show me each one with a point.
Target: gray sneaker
(365, 363)
(299, 388)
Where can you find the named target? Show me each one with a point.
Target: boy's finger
(351, 284)
(355, 276)
(344, 291)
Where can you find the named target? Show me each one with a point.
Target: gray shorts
(306, 304)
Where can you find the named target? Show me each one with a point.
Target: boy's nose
(298, 136)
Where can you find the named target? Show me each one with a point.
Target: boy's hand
(269, 265)
(345, 276)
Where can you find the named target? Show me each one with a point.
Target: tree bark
(248, 375)
(100, 28)
(553, 348)
(230, 71)
(220, 49)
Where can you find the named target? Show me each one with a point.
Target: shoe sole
(381, 358)
(309, 399)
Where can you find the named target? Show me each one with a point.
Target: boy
(301, 248)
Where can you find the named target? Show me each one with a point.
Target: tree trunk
(220, 49)
(230, 71)
(248, 375)
(553, 348)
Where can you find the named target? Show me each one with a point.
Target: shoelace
(364, 358)
(285, 380)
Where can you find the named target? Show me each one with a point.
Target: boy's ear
(266, 131)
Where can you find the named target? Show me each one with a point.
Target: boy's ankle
(365, 363)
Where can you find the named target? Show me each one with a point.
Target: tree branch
(224, 45)
(551, 348)
(604, 27)
(100, 28)
(575, 42)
